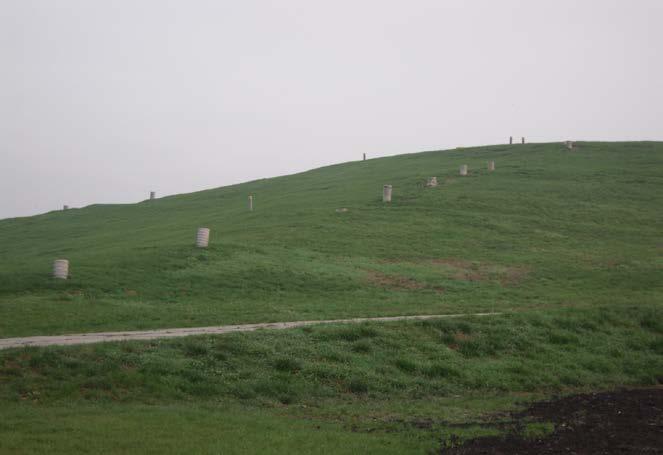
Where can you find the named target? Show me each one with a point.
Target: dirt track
(86, 338)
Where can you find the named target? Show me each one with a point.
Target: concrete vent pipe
(61, 269)
(202, 238)
(463, 169)
(386, 193)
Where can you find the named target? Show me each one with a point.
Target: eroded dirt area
(620, 422)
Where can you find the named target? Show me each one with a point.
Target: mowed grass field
(567, 245)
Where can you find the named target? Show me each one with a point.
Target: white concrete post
(569, 145)
(386, 193)
(61, 269)
(432, 181)
(463, 169)
(491, 166)
(202, 238)
(251, 203)
(153, 195)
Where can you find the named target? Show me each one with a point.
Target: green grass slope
(401, 387)
(550, 227)
(567, 245)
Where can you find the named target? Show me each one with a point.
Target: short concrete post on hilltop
(522, 140)
(463, 169)
(510, 139)
(153, 195)
(251, 203)
(61, 269)
(65, 207)
(432, 181)
(386, 193)
(364, 157)
(491, 166)
(202, 238)
(569, 145)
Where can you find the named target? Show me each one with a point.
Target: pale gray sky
(103, 101)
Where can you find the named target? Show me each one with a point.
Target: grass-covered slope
(401, 387)
(527, 352)
(550, 227)
(566, 244)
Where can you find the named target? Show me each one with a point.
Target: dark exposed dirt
(620, 422)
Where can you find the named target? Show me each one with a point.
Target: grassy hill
(567, 244)
(549, 227)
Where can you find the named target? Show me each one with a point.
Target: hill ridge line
(100, 337)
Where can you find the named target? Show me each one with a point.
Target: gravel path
(86, 338)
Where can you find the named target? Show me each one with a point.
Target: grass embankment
(566, 244)
(399, 385)
(549, 227)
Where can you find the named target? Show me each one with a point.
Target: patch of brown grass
(395, 282)
(468, 275)
(465, 270)
(462, 336)
(514, 276)
(454, 262)
(459, 338)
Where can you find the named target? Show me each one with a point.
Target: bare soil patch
(619, 422)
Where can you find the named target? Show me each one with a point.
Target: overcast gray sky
(103, 101)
